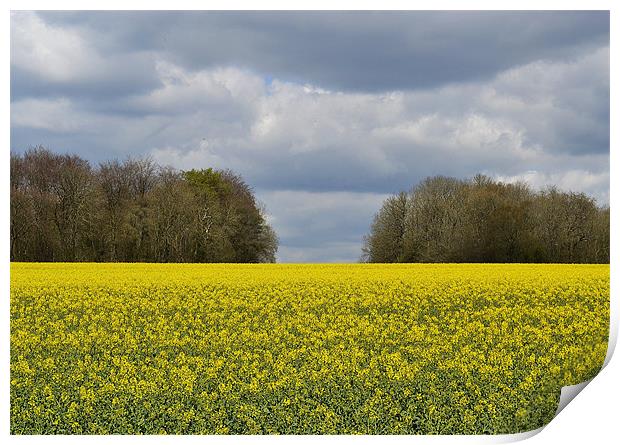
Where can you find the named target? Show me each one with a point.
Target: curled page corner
(569, 393)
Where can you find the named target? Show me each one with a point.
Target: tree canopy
(445, 219)
(64, 209)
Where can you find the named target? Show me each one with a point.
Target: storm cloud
(323, 113)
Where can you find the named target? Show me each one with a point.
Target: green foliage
(208, 181)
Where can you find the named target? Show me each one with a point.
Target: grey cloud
(48, 60)
(323, 113)
(369, 51)
(314, 226)
(325, 252)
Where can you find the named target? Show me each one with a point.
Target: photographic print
(306, 222)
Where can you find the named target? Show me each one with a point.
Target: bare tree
(450, 220)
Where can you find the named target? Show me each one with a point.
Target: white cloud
(56, 115)
(58, 60)
(55, 53)
(186, 92)
(594, 184)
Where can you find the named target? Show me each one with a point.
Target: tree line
(65, 209)
(445, 219)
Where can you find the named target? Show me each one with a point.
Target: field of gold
(300, 349)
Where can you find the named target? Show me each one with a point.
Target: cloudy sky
(325, 113)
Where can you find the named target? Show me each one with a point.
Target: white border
(591, 418)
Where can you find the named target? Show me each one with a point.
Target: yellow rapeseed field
(377, 349)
